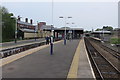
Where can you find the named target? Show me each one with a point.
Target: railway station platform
(70, 61)
(12, 44)
(81, 66)
(85, 68)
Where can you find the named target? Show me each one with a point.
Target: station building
(25, 29)
(70, 32)
(28, 30)
(41, 31)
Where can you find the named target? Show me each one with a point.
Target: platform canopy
(60, 29)
(101, 32)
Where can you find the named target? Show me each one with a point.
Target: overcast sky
(85, 15)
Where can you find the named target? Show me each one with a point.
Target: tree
(107, 28)
(98, 29)
(87, 31)
(8, 25)
(4, 10)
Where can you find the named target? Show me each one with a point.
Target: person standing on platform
(47, 40)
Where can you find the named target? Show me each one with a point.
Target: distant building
(40, 24)
(28, 30)
(25, 29)
(104, 35)
(41, 29)
(46, 27)
(70, 32)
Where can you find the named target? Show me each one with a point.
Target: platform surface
(12, 44)
(43, 65)
(85, 69)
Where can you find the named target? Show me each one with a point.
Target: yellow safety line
(15, 57)
(74, 66)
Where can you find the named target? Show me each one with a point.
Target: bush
(115, 41)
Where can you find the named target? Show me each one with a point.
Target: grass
(115, 41)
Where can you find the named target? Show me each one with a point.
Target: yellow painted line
(15, 57)
(74, 66)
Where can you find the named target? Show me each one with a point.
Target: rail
(103, 67)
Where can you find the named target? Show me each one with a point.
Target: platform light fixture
(65, 28)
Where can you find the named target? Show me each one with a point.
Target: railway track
(102, 67)
(111, 51)
(11, 51)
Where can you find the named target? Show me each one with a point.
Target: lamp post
(51, 38)
(15, 28)
(71, 31)
(65, 28)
